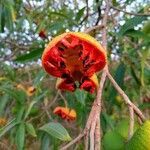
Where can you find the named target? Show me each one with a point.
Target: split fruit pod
(74, 57)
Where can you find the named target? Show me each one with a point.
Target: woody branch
(93, 122)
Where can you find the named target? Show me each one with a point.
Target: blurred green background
(27, 93)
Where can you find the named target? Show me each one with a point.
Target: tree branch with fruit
(76, 57)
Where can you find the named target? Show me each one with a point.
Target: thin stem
(125, 97)
(99, 103)
(129, 13)
(94, 28)
(80, 136)
(85, 132)
(104, 22)
(65, 101)
(92, 132)
(97, 135)
(131, 123)
(87, 141)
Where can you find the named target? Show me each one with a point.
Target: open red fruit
(74, 57)
(65, 113)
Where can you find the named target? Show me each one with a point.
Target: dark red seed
(85, 61)
(61, 47)
(62, 65)
(65, 75)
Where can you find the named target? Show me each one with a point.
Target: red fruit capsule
(74, 57)
(65, 113)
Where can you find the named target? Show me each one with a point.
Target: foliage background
(27, 93)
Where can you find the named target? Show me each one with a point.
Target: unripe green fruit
(113, 141)
(123, 126)
(146, 28)
(141, 138)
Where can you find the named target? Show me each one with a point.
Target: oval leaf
(130, 24)
(56, 130)
(30, 129)
(8, 126)
(34, 54)
(20, 136)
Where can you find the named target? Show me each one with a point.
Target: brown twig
(131, 123)
(97, 144)
(86, 141)
(129, 13)
(87, 12)
(65, 101)
(99, 103)
(92, 132)
(125, 97)
(87, 7)
(98, 3)
(88, 125)
(80, 136)
(104, 22)
(97, 135)
(4, 145)
(94, 28)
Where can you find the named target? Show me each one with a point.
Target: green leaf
(2, 19)
(35, 100)
(137, 34)
(144, 106)
(59, 14)
(6, 15)
(119, 78)
(57, 26)
(9, 71)
(115, 3)
(20, 113)
(120, 73)
(8, 127)
(129, 1)
(20, 136)
(81, 96)
(108, 120)
(113, 141)
(135, 76)
(30, 56)
(41, 26)
(29, 108)
(18, 95)
(30, 129)
(3, 102)
(39, 77)
(56, 130)
(130, 24)
(40, 96)
(80, 14)
(45, 142)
